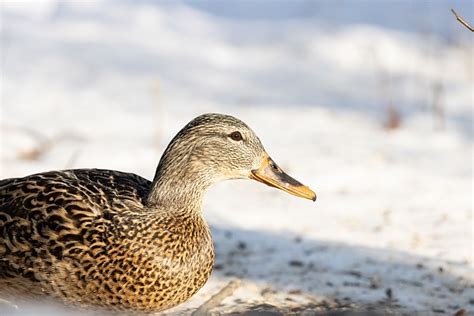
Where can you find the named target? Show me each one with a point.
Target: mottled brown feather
(83, 236)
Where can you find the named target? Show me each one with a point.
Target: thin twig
(462, 21)
(217, 298)
(7, 304)
(73, 159)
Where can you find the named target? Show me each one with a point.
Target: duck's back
(48, 219)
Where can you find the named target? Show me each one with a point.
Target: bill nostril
(274, 166)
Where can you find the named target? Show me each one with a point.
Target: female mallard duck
(108, 239)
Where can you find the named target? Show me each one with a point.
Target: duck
(114, 241)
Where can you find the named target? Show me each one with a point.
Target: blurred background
(367, 102)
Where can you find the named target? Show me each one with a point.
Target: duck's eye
(236, 136)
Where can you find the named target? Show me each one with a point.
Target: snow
(107, 85)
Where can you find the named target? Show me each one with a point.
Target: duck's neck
(180, 195)
(179, 184)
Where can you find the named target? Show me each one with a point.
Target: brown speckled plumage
(108, 239)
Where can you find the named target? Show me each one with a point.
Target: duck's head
(215, 147)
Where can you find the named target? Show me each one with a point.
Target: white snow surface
(108, 84)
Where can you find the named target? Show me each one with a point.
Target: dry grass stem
(215, 300)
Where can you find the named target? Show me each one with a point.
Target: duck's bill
(272, 175)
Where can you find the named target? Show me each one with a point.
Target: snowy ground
(96, 84)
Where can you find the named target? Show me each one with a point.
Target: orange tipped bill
(272, 175)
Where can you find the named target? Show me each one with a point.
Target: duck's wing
(44, 216)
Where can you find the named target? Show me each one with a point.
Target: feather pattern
(85, 237)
